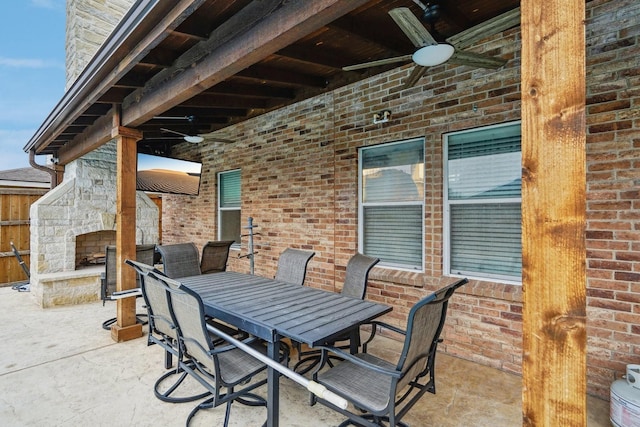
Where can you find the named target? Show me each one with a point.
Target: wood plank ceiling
(307, 67)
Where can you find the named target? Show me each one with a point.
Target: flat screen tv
(165, 175)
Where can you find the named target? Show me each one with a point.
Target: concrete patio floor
(58, 367)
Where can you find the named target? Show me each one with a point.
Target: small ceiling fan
(430, 52)
(191, 138)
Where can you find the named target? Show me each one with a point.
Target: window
(229, 206)
(391, 203)
(482, 198)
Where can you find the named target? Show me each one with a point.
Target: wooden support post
(126, 327)
(553, 213)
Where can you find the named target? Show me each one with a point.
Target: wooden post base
(126, 333)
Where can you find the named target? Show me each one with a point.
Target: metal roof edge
(85, 81)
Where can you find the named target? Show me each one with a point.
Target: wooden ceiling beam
(191, 36)
(265, 74)
(203, 112)
(208, 100)
(93, 137)
(246, 38)
(232, 87)
(313, 56)
(369, 36)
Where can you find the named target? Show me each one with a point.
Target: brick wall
(299, 183)
(613, 176)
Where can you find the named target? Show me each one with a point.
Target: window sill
(399, 277)
(479, 288)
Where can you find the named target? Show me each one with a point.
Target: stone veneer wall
(85, 202)
(89, 23)
(299, 183)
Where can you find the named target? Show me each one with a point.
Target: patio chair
(144, 254)
(162, 332)
(292, 266)
(214, 256)
(217, 366)
(386, 390)
(355, 286)
(180, 260)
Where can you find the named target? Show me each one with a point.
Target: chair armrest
(374, 329)
(126, 294)
(229, 347)
(355, 360)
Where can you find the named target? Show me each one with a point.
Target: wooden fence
(14, 227)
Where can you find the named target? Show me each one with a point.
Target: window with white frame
(482, 199)
(229, 206)
(391, 203)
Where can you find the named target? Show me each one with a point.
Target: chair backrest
(144, 254)
(424, 325)
(292, 266)
(188, 315)
(357, 275)
(180, 260)
(214, 256)
(155, 297)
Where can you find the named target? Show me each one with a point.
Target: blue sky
(32, 73)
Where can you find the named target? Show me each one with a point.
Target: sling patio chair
(217, 365)
(355, 286)
(214, 256)
(162, 331)
(292, 266)
(144, 254)
(379, 389)
(180, 260)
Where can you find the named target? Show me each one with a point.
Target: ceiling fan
(430, 52)
(194, 138)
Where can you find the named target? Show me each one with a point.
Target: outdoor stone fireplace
(74, 222)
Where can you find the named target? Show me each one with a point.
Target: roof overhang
(222, 62)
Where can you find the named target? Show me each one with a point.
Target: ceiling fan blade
(173, 131)
(417, 72)
(187, 118)
(485, 29)
(193, 139)
(462, 57)
(378, 62)
(412, 27)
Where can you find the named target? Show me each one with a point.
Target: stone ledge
(67, 287)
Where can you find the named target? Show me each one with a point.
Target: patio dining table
(272, 310)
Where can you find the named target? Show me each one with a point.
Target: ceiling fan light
(434, 54)
(194, 139)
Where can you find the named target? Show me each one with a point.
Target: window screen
(392, 203)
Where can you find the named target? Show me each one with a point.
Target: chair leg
(165, 396)
(168, 360)
(375, 421)
(249, 399)
(227, 411)
(140, 318)
(310, 361)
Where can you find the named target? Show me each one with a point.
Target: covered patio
(59, 367)
(298, 122)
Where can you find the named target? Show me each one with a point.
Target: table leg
(354, 342)
(273, 387)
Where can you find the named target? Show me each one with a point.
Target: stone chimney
(89, 23)
(79, 214)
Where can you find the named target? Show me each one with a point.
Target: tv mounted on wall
(158, 174)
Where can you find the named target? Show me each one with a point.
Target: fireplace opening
(90, 248)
